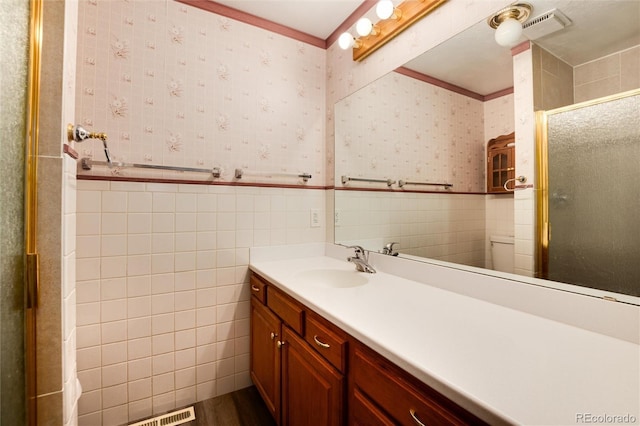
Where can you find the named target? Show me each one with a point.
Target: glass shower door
(14, 27)
(594, 194)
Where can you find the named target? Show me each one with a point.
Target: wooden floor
(241, 408)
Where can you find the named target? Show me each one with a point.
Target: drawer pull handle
(254, 288)
(280, 344)
(415, 418)
(273, 335)
(319, 343)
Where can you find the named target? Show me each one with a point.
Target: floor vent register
(173, 418)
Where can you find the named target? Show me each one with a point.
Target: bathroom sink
(333, 278)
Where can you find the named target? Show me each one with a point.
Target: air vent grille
(170, 419)
(545, 24)
(538, 20)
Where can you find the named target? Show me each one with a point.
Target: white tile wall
(69, 243)
(448, 227)
(69, 295)
(162, 310)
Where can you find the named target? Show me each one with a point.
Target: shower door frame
(32, 273)
(543, 230)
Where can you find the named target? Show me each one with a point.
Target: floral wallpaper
(498, 117)
(402, 128)
(174, 85)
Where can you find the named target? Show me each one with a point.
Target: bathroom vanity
(357, 348)
(302, 364)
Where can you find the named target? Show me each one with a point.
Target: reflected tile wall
(552, 80)
(449, 227)
(612, 74)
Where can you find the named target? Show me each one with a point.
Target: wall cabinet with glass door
(501, 164)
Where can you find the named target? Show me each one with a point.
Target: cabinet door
(500, 168)
(265, 355)
(312, 389)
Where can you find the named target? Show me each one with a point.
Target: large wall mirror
(411, 147)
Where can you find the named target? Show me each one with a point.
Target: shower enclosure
(14, 26)
(21, 23)
(589, 198)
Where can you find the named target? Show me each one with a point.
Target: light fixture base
(410, 11)
(518, 11)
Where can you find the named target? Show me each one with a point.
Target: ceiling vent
(545, 24)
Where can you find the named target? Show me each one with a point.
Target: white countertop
(503, 365)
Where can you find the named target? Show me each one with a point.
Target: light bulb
(384, 9)
(508, 33)
(364, 26)
(345, 41)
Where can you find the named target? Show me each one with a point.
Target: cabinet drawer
(365, 413)
(328, 343)
(390, 387)
(258, 288)
(287, 309)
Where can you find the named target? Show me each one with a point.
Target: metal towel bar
(346, 179)
(240, 172)
(402, 183)
(87, 164)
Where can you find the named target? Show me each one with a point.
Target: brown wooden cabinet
(266, 330)
(298, 385)
(312, 389)
(381, 393)
(310, 372)
(500, 163)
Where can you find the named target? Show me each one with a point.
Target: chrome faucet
(361, 260)
(388, 249)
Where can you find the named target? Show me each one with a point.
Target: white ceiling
(319, 18)
(472, 59)
(599, 28)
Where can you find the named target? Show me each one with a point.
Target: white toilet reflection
(502, 253)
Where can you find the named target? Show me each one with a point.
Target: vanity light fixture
(393, 21)
(346, 41)
(385, 10)
(365, 27)
(508, 23)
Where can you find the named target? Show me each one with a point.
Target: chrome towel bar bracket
(78, 134)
